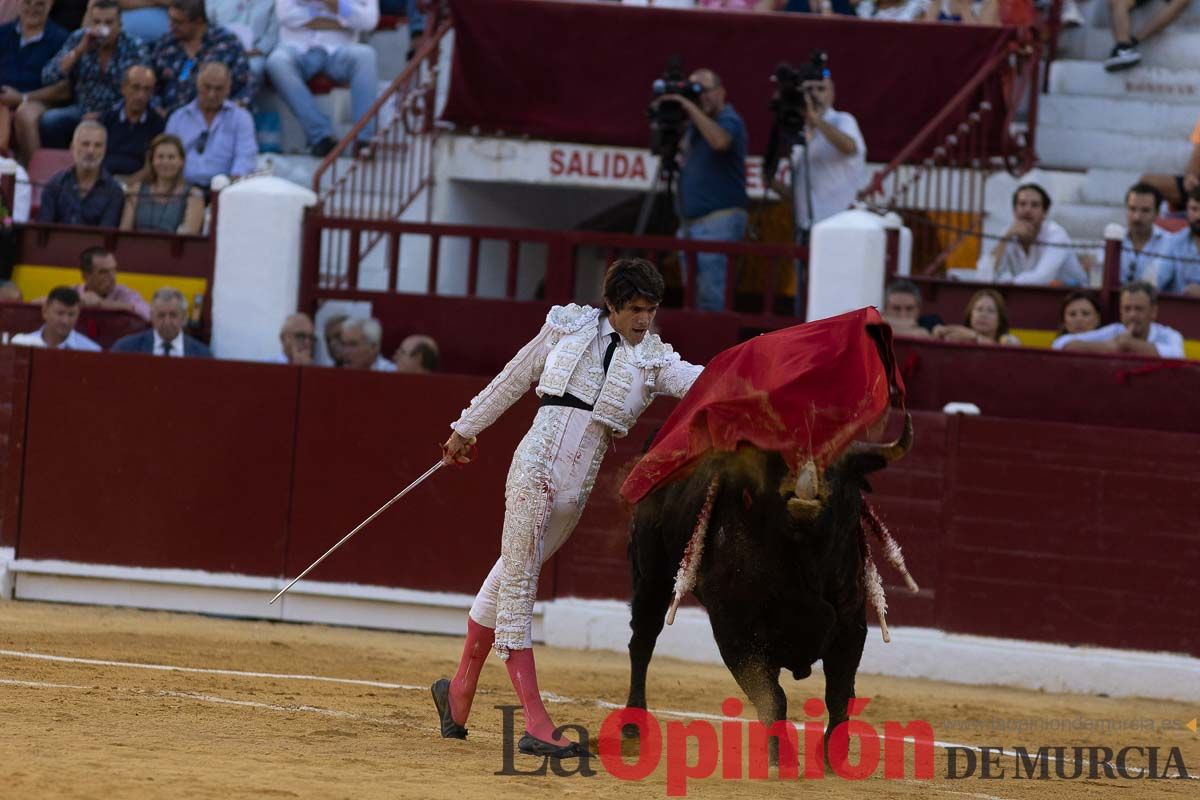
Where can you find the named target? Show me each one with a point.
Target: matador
(596, 371)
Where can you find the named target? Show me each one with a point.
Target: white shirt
(74, 341)
(836, 177)
(1143, 266)
(1168, 341)
(1050, 259)
(357, 15)
(176, 345)
(382, 365)
(909, 11)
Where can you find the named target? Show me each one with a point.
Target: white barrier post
(846, 265)
(256, 277)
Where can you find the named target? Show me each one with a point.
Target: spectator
(1034, 249)
(985, 322)
(1125, 53)
(417, 354)
(94, 60)
(145, 20)
(131, 124)
(255, 25)
(902, 309)
(26, 45)
(10, 293)
(318, 37)
(168, 313)
(893, 10)
(823, 7)
(60, 312)
(1175, 188)
(1080, 313)
(298, 340)
(361, 339)
(100, 288)
(218, 135)
(191, 44)
(333, 338)
(1178, 270)
(163, 200)
(712, 181)
(1144, 241)
(1137, 332)
(85, 194)
(983, 13)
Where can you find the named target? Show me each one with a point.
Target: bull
(784, 572)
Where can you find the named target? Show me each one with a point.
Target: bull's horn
(891, 451)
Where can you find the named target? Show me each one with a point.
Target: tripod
(665, 174)
(802, 190)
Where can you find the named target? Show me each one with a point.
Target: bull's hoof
(531, 746)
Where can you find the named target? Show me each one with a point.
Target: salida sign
(599, 165)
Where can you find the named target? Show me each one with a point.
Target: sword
(361, 525)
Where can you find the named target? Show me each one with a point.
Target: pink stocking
(475, 652)
(523, 674)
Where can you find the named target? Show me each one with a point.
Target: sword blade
(361, 525)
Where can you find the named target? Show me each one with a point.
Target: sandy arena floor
(243, 715)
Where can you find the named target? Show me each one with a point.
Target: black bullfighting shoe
(441, 699)
(536, 747)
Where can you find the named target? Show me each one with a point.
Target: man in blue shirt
(217, 135)
(85, 194)
(712, 181)
(131, 123)
(1179, 266)
(26, 45)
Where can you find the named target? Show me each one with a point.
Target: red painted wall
(1043, 530)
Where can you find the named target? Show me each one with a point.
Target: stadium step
(1085, 222)
(1078, 148)
(1150, 84)
(1156, 120)
(1177, 47)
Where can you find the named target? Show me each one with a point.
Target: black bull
(781, 590)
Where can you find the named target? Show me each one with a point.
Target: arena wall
(202, 485)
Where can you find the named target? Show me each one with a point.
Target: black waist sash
(568, 400)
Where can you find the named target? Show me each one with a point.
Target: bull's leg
(841, 665)
(760, 682)
(651, 596)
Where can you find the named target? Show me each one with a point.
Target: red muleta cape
(802, 391)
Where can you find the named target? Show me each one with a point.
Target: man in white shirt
(60, 312)
(297, 339)
(1034, 250)
(319, 36)
(1137, 333)
(361, 342)
(1144, 241)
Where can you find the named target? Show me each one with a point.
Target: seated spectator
(1080, 313)
(100, 288)
(1137, 332)
(1125, 53)
(417, 355)
(298, 339)
(1178, 270)
(255, 25)
(823, 7)
(318, 37)
(145, 20)
(1175, 188)
(26, 45)
(333, 338)
(85, 194)
(191, 44)
(1034, 249)
(986, 322)
(893, 10)
(94, 61)
(131, 124)
(60, 312)
(902, 309)
(218, 136)
(10, 293)
(168, 314)
(163, 200)
(1144, 241)
(361, 339)
(971, 12)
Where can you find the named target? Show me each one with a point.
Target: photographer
(712, 181)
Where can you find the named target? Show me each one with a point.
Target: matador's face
(633, 320)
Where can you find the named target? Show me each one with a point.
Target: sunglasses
(201, 142)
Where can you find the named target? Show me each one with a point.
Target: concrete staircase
(1113, 127)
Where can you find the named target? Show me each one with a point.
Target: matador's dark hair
(630, 278)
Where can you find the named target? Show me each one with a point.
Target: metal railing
(941, 173)
(505, 263)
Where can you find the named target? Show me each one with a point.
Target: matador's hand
(458, 450)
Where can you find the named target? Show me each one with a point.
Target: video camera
(668, 120)
(790, 101)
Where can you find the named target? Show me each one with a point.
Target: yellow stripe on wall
(36, 281)
(1043, 339)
